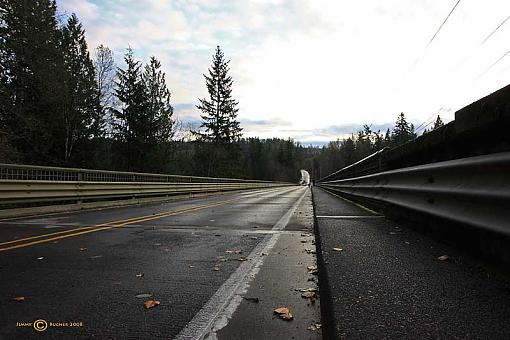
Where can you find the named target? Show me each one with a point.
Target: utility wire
(443, 23)
(497, 28)
(494, 64)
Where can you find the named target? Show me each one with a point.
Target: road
(89, 273)
(392, 282)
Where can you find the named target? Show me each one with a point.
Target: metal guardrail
(29, 184)
(473, 191)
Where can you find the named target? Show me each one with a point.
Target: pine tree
(438, 123)
(81, 115)
(403, 131)
(30, 79)
(219, 112)
(131, 120)
(159, 109)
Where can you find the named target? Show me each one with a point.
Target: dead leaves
(310, 251)
(143, 296)
(315, 327)
(283, 313)
(242, 258)
(139, 275)
(216, 268)
(151, 304)
(19, 298)
(83, 249)
(312, 270)
(444, 258)
(235, 251)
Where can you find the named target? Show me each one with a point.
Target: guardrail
(473, 191)
(35, 184)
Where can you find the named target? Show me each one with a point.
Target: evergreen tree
(403, 131)
(219, 112)
(438, 123)
(131, 121)
(30, 79)
(81, 115)
(159, 109)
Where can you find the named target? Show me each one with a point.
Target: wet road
(90, 272)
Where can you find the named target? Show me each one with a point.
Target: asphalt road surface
(219, 266)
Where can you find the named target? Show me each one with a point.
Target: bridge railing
(37, 184)
(459, 172)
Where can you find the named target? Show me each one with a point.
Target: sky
(315, 70)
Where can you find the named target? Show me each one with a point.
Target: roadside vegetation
(61, 105)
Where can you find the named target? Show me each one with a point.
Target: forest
(63, 104)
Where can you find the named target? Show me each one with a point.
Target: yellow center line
(104, 226)
(163, 214)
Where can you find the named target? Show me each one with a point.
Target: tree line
(62, 106)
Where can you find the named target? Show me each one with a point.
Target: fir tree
(159, 109)
(438, 123)
(219, 112)
(403, 131)
(131, 121)
(30, 79)
(81, 115)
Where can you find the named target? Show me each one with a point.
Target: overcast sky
(315, 70)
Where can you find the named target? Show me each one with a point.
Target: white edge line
(215, 313)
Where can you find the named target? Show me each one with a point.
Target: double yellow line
(29, 241)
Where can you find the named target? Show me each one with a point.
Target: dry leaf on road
(150, 304)
(139, 275)
(242, 258)
(141, 296)
(309, 295)
(284, 313)
(337, 249)
(83, 249)
(19, 298)
(216, 268)
(443, 258)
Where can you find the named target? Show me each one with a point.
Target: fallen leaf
(139, 275)
(314, 327)
(191, 266)
(309, 295)
(310, 251)
(284, 313)
(150, 304)
(40, 258)
(254, 238)
(337, 249)
(443, 258)
(83, 249)
(304, 241)
(302, 290)
(19, 298)
(140, 296)
(311, 268)
(216, 268)
(251, 299)
(242, 258)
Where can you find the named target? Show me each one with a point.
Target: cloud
(313, 69)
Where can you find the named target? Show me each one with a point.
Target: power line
(443, 23)
(497, 28)
(494, 64)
